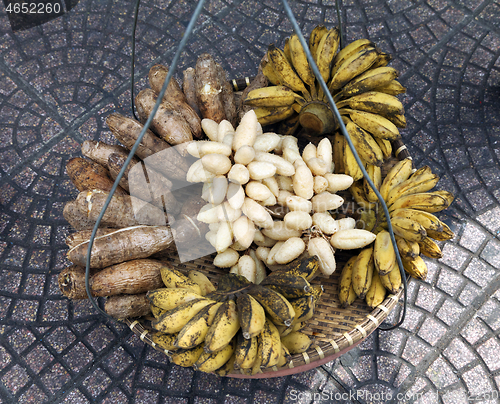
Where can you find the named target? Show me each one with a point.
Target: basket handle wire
(171, 71)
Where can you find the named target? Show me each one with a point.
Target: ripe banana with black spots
(326, 50)
(366, 146)
(386, 147)
(273, 96)
(407, 249)
(296, 342)
(251, 315)
(375, 124)
(384, 255)
(173, 320)
(172, 278)
(288, 285)
(269, 344)
(164, 341)
(270, 115)
(376, 293)
(399, 173)
(429, 248)
(277, 306)
(416, 267)
(353, 66)
(245, 352)
(350, 164)
(186, 357)
(315, 39)
(300, 62)
(348, 51)
(224, 327)
(408, 229)
(393, 88)
(392, 281)
(427, 220)
(375, 103)
(375, 174)
(369, 81)
(307, 268)
(195, 330)
(206, 286)
(362, 272)
(422, 180)
(169, 298)
(427, 201)
(347, 295)
(285, 71)
(211, 361)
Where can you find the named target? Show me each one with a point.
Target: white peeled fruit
(326, 201)
(247, 268)
(338, 182)
(279, 231)
(238, 174)
(216, 163)
(227, 258)
(351, 239)
(235, 195)
(266, 142)
(298, 220)
(290, 250)
(346, 223)
(326, 223)
(258, 170)
(257, 213)
(244, 231)
(319, 247)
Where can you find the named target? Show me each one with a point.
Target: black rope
(343, 129)
(132, 59)
(339, 18)
(171, 71)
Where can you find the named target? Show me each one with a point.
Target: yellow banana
(288, 285)
(393, 88)
(300, 62)
(407, 249)
(172, 278)
(227, 368)
(258, 361)
(427, 220)
(286, 51)
(347, 295)
(270, 344)
(270, 73)
(376, 293)
(156, 311)
(348, 51)
(422, 180)
(284, 357)
(383, 60)
(195, 330)
(384, 255)
(446, 195)
(277, 307)
(429, 248)
(445, 234)
(353, 66)
(305, 267)
(397, 119)
(392, 281)
(315, 38)
(362, 272)
(285, 71)
(385, 146)
(369, 81)
(427, 201)
(209, 362)
(272, 96)
(169, 298)
(164, 341)
(399, 173)
(375, 174)
(270, 115)
(326, 51)
(351, 166)
(408, 229)
(230, 282)
(367, 220)
(416, 267)
(186, 357)
(173, 320)
(245, 352)
(358, 193)
(202, 281)
(224, 327)
(296, 342)
(367, 148)
(375, 124)
(374, 102)
(304, 308)
(251, 315)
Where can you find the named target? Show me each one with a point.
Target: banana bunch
(240, 325)
(411, 203)
(363, 86)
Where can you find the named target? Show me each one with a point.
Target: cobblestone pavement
(58, 82)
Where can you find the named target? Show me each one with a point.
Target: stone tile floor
(58, 82)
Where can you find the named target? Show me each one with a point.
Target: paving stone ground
(59, 81)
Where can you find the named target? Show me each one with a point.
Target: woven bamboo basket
(335, 330)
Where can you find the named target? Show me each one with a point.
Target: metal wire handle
(171, 71)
